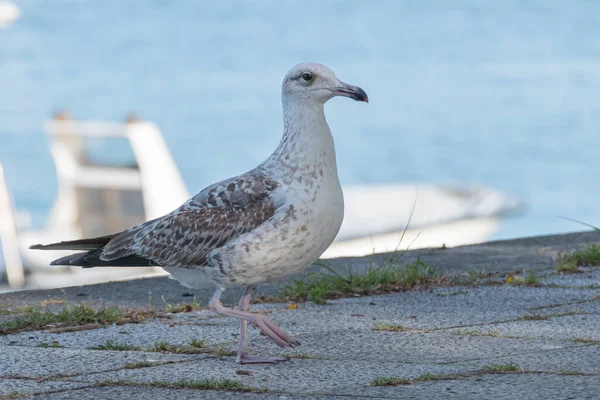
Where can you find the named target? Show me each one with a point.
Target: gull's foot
(246, 358)
(267, 327)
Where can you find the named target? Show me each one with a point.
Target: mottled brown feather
(217, 215)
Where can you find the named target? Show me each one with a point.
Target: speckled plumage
(209, 220)
(259, 226)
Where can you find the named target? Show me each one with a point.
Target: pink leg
(242, 356)
(267, 327)
(244, 306)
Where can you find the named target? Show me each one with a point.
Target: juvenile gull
(272, 221)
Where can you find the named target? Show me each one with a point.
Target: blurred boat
(98, 196)
(8, 13)
(388, 218)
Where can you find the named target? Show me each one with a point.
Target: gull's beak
(354, 92)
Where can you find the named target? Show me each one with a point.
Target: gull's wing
(218, 214)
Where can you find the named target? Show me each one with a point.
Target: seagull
(261, 226)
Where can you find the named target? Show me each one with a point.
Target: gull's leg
(242, 356)
(281, 338)
(244, 306)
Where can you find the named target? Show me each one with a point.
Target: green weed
(331, 284)
(501, 368)
(31, 318)
(389, 381)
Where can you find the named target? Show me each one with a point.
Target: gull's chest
(305, 224)
(314, 214)
(318, 203)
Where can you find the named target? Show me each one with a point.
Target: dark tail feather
(81, 244)
(91, 258)
(67, 260)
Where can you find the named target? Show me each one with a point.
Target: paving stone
(572, 327)
(583, 359)
(38, 363)
(27, 386)
(497, 387)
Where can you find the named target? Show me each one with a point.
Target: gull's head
(312, 82)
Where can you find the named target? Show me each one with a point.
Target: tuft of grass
(540, 317)
(501, 368)
(318, 287)
(221, 351)
(473, 276)
(427, 376)
(588, 257)
(32, 318)
(380, 326)
(414, 274)
(301, 356)
(199, 348)
(15, 395)
(198, 343)
(588, 341)
(114, 346)
(54, 344)
(389, 381)
(207, 384)
(164, 346)
(535, 317)
(566, 266)
(204, 384)
(182, 307)
(568, 372)
(531, 279)
(491, 333)
(139, 364)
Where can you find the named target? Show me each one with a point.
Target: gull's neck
(307, 142)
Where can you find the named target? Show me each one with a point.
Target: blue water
(502, 93)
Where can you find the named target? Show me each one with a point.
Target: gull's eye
(306, 76)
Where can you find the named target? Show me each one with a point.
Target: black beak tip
(360, 95)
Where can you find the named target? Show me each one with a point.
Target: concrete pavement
(483, 339)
